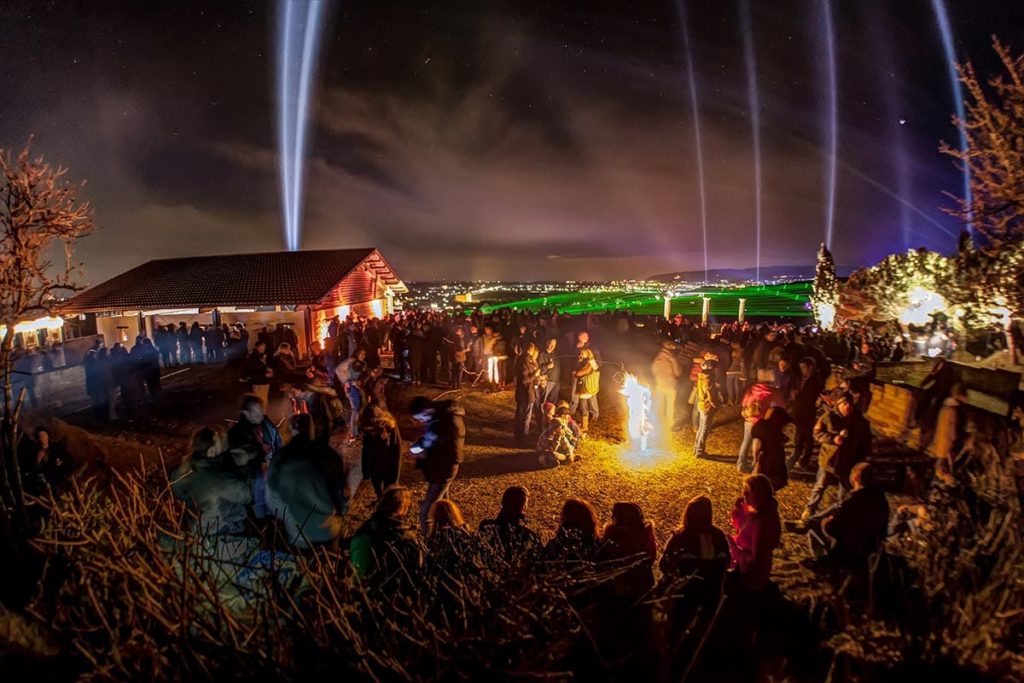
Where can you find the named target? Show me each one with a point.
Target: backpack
(753, 409)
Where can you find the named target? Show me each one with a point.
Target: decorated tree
(825, 294)
(994, 154)
(41, 217)
(908, 287)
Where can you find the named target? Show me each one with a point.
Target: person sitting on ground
(253, 442)
(44, 463)
(382, 448)
(453, 552)
(557, 443)
(386, 549)
(305, 487)
(577, 538)
(694, 564)
(770, 447)
(628, 541)
(697, 548)
(507, 535)
(215, 492)
(857, 528)
(755, 517)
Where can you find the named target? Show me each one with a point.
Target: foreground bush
(138, 596)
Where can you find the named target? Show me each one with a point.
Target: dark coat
(216, 493)
(382, 455)
(771, 460)
(386, 550)
(443, 442)
(510, 540)
(856, 447)
(859, 526)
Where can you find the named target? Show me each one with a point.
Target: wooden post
(706, 311)
(668, 307)
(743, 309)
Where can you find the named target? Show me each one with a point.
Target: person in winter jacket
(385, 549)
(253, 442)
(756, 402)
(804, 412)
(844, 438)
(857, 528)
(587, 380)
(305, 487)
(667, 370)
(769, 447)
(439, 451)
(527, 378)
(697, 548)
(694, 564)
(950, 428)
(214, 490)
(558, 442)
(755, 517)
(705, 401)
(628, 541)
(507, 536)
(382, 449)
(578, 537)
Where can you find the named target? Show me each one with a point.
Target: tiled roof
(273, 278)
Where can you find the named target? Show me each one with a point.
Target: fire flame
(638, 402)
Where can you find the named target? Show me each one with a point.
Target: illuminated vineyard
(764, 301)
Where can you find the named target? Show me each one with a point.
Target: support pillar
(668, 307)
(705, 311)
(743, 310)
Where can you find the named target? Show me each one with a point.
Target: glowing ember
(638, 401)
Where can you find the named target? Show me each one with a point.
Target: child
(557, 443)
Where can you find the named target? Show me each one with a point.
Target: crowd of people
(340, 431)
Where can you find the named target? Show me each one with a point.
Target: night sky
(512, 139)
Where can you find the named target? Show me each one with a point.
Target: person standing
(758, 533)
(704, 403)
(950, 428)
(254, 441)
(587, 384)
(551, 369)
(439, 451)
(804, 412)
(769, 447)
(382, 448)
(844, 437)
(527, 376)
(755, 404)
(667, 370)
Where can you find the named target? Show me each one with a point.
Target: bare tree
(41, 219)
(994, 156)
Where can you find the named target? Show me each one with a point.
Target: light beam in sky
(942, 18)
(754, 100)
(832, 122)
(299, 23)
(695, 109)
